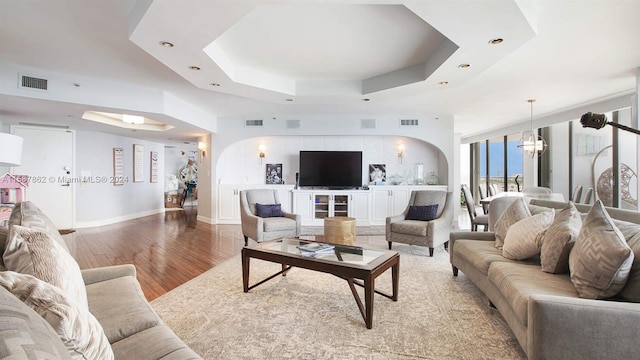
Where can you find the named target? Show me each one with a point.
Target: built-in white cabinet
(368, 207)
(229, 200)
(315, 205)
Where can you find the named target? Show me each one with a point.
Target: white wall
(103, 203)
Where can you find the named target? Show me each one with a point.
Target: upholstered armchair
(262, 219)
(426, 221)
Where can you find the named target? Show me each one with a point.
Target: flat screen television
(331, 169)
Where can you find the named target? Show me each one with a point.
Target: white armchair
(430, 233)
(267, 226)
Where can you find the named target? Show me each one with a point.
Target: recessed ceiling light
(464, 66)
(496, 41)
(289, 99)
(166, 44)
(366, 99)
(196, 68)
(214, 84)
(443, 82)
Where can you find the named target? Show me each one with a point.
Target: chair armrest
(297, 218)
(105, 273)
(564, 327)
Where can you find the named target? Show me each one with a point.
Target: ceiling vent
(252, 123)
(409, 122)
(29, 82)
(293, 124)
(44, 125)
(368, 123)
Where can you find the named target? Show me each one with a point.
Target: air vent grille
(409, 122)
(253, 122)
(368, 124)
(293, 124)
(30, 82)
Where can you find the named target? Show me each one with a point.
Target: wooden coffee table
(354, 264)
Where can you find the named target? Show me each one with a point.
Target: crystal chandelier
(532, 145)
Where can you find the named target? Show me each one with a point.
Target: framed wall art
(138, 163)
(274, 174)
(118, 166)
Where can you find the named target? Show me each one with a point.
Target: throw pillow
(524, 238)
(268, 210)
(36, 253)
(422, 212)
(28, 215)
(78, 329)
(515, 212)
(601, 260)
(559, 240)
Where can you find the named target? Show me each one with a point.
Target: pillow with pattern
(515, 212)
(601, 259)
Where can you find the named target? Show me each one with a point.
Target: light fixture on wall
(401, 152)
(202, 146)
(10, 150)
(132, 119)
(261, 152)
(533, 145)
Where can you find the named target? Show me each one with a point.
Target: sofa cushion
(268, 210)
(160, 343)
(36, 253)
(479, 253)
(78, 329)
(28, 215)
(515, 212)
(24, 334)
(524, 238)
(278, 224)
(516, 281)
(410, 227)
(559, 240)
(601, 260)
(422, 212)
(120, 307)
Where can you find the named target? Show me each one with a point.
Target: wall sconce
(202, 146)
(261, 152)
(400, 152)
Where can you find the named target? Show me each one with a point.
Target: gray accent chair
(269, 228)
(423, 233)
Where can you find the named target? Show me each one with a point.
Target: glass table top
(332, 252)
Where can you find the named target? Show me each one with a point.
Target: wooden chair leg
(246, 240)
(389, 244)
(446, 245)
(431, 252)
(455, 270)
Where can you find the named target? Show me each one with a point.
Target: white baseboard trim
(205, 219)
(103, 222)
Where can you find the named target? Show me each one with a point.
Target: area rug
(310, 315)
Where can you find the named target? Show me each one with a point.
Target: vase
(433, 179)
(418, 174)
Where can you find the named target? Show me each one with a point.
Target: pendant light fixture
(533, 145)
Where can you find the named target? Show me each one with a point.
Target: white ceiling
(324, 55)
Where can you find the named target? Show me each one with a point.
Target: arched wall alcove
(239, 163)
(232, 156)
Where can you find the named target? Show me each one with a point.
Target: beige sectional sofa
(544, 310)
(41, 317)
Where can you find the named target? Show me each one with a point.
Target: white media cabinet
(368, 207)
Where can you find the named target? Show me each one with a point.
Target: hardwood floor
(167, 249)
